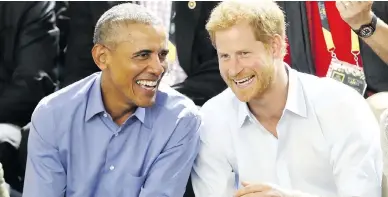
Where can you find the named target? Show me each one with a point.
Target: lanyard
(329, 38)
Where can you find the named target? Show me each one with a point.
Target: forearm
(378, 41)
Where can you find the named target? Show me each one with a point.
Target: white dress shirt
(328, 143)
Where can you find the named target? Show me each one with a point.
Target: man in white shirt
(275, 131)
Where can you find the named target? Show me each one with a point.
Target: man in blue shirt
(115, 133)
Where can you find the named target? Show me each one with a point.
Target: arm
(211, 175)
(378, 40)
(356, 153)
(79, 62)
(35, 54)
(360, 13)
(45, 175)
(354, 141)
(169, 174)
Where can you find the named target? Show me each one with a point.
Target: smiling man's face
(137, 64)
(245, 63)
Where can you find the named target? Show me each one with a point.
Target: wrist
(366, 19)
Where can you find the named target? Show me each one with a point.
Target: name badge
(349, 74)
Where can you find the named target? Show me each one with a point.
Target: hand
(355, 13)
(260, 190)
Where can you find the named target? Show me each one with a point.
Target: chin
(244, 98)
(249, 95)
(144, 103)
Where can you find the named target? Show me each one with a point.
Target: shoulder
(326, 92)
(177, 116)
(218, 114)
(220, 105)
(340, 110)
(174, 104)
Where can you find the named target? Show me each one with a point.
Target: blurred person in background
(371, 29)
(28, 52)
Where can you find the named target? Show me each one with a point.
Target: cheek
(223, 71)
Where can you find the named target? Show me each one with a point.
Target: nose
(156, 66)
(234, 67)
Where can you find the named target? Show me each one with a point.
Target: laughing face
(135, 66)
(245, 63)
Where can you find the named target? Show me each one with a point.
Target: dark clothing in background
(196, 55)
(28, 52)
(28, 55)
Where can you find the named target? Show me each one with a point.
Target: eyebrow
(143, 51)
(149, 51)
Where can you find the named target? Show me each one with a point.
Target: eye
(163, 55)
(224, 56)
(244, 54)
(142, 56)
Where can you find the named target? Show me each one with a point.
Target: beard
(257, 88)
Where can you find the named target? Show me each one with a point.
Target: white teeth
(243, 80)
(147, 83)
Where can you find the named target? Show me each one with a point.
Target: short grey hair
(126, 13)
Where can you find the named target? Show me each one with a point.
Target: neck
(115, 102)
(271, 104)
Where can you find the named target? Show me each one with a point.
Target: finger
(256, 194)
(345, 4)
(340, 5)
(245, 183)
(252, 189)
(370, 3)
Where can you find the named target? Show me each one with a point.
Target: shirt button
(105, 115)
(111, 168)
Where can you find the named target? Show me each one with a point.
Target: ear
(277, 46)
(100, 56)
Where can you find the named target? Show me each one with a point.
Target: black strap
(323, 15)
(325, 26)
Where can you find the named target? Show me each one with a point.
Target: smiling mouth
(147, 84)
(244, 81)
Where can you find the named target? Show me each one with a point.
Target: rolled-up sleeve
(45, 175)
(169, 174)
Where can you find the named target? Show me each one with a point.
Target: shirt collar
(95, 104)
(296, 101)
